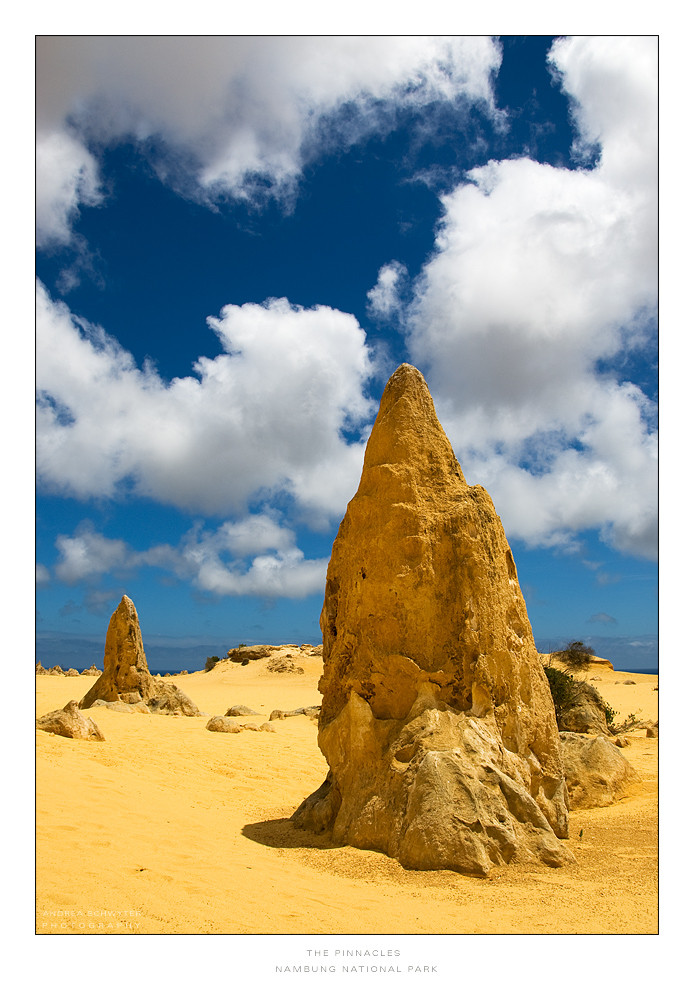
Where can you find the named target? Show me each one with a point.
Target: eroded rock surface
(225, 724)
(126, 676)
(585, 712)
(311, 711)
(597, 774)
(71, 723)
(437, 720)
(241, 653)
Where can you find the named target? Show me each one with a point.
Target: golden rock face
(126, 676)
(125, 663)
(423, 613)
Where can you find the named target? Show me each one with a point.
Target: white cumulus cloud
(277, 411)
(67, 176)
(540, 278)
(88, 555)
(244, 110)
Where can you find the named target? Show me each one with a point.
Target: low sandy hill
(167, 828)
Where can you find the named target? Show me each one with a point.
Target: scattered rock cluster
(244, 654)
(284, 665)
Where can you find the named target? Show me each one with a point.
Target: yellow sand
(167, 828)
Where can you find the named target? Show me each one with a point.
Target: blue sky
(239, 239)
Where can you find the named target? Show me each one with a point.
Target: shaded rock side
(597, 774)
(437, 720)
(585, 712)
(71, 723)
(126, 676)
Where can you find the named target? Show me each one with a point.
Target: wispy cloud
(603, 618)
(254, 556)
(385, 299)
(269, 414)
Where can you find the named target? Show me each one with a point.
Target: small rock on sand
(71, 723)
(312, 712)
(224, 724)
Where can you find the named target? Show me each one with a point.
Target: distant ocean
(638, 655)
(630, 654)
(171, 655)
(72, 651)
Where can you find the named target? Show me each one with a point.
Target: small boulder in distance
(240, 653)
(312, 711)
(240, 710)
(222, 724)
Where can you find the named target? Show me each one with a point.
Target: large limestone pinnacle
(437, 721)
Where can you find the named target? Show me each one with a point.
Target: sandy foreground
(167, 828)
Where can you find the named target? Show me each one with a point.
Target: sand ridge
(167, 828)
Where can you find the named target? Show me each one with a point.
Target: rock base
(437, 790)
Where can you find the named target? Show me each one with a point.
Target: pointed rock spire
(126, 676)
(437, 721)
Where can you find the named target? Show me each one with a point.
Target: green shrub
(210, 662)
(576, 656)
(562, 687)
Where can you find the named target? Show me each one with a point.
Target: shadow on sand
(283, 833)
